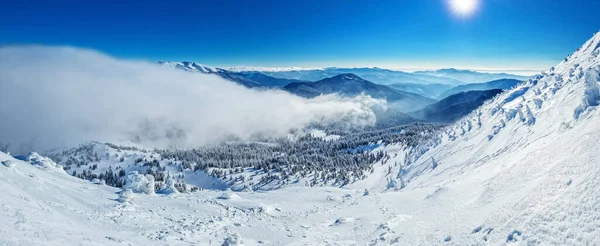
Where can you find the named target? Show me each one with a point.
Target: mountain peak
(585, 57)
(190, 66)
(346, 77)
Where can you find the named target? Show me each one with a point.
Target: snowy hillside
(306, 158)
(525, 161)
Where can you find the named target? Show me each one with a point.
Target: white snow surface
(521, 170)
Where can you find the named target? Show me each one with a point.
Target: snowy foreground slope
(523, 169)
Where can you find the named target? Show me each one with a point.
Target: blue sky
(411, 34)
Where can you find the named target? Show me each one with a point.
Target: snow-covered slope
(530, 154)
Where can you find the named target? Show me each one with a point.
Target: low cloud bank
(61, 96)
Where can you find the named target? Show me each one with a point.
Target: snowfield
(522, 169)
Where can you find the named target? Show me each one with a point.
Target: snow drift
(54, 96)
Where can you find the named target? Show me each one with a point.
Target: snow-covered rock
(8, 163)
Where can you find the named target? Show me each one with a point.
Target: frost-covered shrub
(233, 240)
(393, 185)
(591, 94)
(126, 196)
(169, 187)
(138, 183)
(247, 188)
(42, 162)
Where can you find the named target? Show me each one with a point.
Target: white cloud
(57, 96)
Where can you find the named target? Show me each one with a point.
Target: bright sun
(463, 7)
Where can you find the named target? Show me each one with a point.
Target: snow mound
(40, 161)
(139, 183)
(229, 195)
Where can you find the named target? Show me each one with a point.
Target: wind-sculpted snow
(58, 96)
(523, 153)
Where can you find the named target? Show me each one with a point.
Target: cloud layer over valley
(60, 96)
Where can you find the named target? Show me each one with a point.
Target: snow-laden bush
(392, 184)
(43, 162)
(169, 187)
(138, 183)
(99, 181)
(591, 94)
(126, 196)
(8, 163)
(247, 188)
(233, 240)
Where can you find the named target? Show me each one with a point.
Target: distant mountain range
(283, 76)
(377, 75)
(455, 106)
(351, 85)
(428, 90)
(418, 97)
(469, 76)
(449, 76)
(504, 84)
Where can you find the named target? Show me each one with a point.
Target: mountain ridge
(503, 84)
(352, 85)
(454, 106)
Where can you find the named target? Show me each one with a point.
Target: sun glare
(463, 7)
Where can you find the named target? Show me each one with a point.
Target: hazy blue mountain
(455, 106)
(428, 90)
(240, 79)
(376, 75)
(390, 116)
(504, 84)
(469, 76)
(267, 80)
(352, 85)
